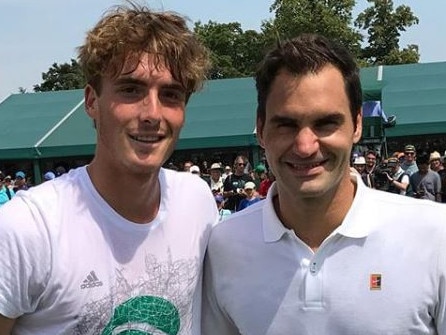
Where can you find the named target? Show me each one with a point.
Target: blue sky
(35, 34)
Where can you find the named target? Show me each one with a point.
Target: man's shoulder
(242, 222)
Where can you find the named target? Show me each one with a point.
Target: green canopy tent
(416, 94)
(371, 83)
(54, 124)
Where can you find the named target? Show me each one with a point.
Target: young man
(116, 246)
(308, 259)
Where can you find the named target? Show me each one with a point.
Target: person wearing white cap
(227, 172)
(216, 180)
(437, 165)
(359, 165)
(195, 169)
(251, 196)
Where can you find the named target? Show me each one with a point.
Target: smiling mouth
(146, 139)
(304, 167)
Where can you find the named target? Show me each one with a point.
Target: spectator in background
(222, 212)
(259, 174)
(371, 160)
(425, 183)
(266, 184)
(399, 182)
(234, 184)
(8, 182)
(373, 108)
(409, 164)
(216, 180)
(49, 175)
(250, 196)
(20, 183)
(227, 172)
(436, 163)
(187, 165)
(360, 166)
(6, 193)
(60, 170)
(195, 170)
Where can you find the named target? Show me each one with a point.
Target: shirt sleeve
(440, 311)
(26, 258)
(214, 320)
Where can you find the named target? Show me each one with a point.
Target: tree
(62, 77)
(234, 52)
(331, 18)
(384, 25)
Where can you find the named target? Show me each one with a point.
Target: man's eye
(174, 95)
(286, 125)
(128, 90)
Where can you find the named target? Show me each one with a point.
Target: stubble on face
(308, 132)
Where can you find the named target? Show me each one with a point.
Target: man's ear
(91, 101)
(259, 132)
(358, 130)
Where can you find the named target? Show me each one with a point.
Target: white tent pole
(379, 75)
(57, 125)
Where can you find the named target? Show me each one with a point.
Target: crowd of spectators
(9, 186)
(235, 186)
(411, 172)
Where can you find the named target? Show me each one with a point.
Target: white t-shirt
(72, 265)
(383, 271)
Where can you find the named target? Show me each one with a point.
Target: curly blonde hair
(126, 32)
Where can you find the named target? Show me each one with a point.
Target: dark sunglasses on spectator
(241, 164)
(409, 153)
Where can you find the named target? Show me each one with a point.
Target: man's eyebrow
(331, 116)
(129, 80)
(282, 119)
(135, 81)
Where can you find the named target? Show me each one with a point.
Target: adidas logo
(91, 281)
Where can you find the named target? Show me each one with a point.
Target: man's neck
(313, 220)
(142, 208)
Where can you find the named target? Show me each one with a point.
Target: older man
(322, 254)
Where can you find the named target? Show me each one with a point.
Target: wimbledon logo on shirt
(145, 315)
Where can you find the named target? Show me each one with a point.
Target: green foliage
(234, 52)
(62, 77)
(331, 18)
(384, 25)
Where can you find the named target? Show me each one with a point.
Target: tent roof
(416, 94)
(54, 124)
(371, 82)
(28, 119)
(221, 115)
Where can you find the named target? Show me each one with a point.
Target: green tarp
(54, 124)
(416, 94)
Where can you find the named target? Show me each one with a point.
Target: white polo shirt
(383, 271)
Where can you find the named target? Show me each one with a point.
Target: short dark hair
(371, 152)
(302, 55)
(423, 158)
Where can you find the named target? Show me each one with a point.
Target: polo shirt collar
(355, 224)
